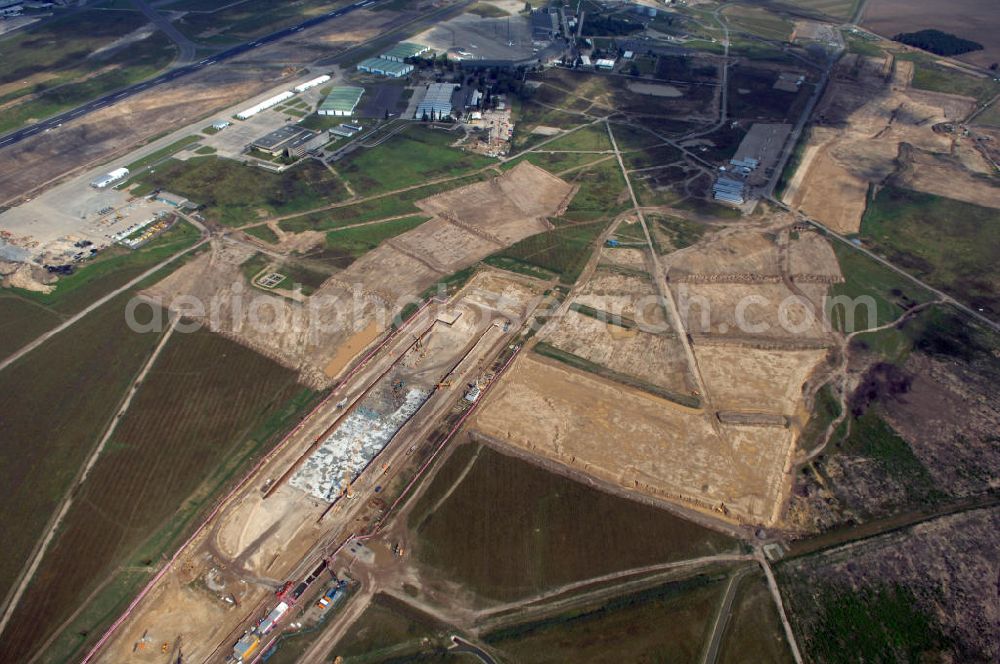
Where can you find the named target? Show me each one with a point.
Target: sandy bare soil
(308, 337)
(625, 257)
(637, 440)
(627, 295)
(657, 359)
(866, 117)
(977, 20)
(735, 451)
(755, 380)
(948, 176)
(736, 256)
(505, 208)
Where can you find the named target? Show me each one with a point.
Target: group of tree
(935, 41)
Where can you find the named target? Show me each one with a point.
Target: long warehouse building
(319, 80)
(264, 105)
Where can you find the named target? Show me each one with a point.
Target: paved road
(186, 46)
(166, 77)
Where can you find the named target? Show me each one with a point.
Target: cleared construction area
(356, 305)
(371, 433)
(607, 398)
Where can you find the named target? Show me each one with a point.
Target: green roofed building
(342, 100)
(404, 50)
(390, 68)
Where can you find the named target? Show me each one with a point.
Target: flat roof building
(382, 67)
(342, 100)
(436, 104)
(290, 139)
(404, 50)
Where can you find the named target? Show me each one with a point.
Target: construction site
(331, 477)
(711, 426)
(872, 123)
(357, 304)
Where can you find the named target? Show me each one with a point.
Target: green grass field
(754, 632)
(157, 156)
(237, 22)
(948, 243)
(356, 242)
(234, 194)
(555, 162)
(759, 22)
(930, 76)
(563, 251)
(884, 623)
(387, 630)
(411, 157)
(825, 410)
(591, 137)
(653, 156)
(76, 380)
(56, 61)
(21, 321)
(678, 232)
(602, 193)
(511, 528)
(262, 232)
(111, 269)
(665, 624)
(890, 293)
(391, 205)
(204, 411)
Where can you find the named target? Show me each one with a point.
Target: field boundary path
(42, 546)
(661, 287)
(17, 355)
(722, 617)
(772, 584)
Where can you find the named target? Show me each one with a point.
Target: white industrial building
(436, 104)
(319, 80)
(108, 179)
(264, 105)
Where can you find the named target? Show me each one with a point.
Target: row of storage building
(729, 190)
(393, 63)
